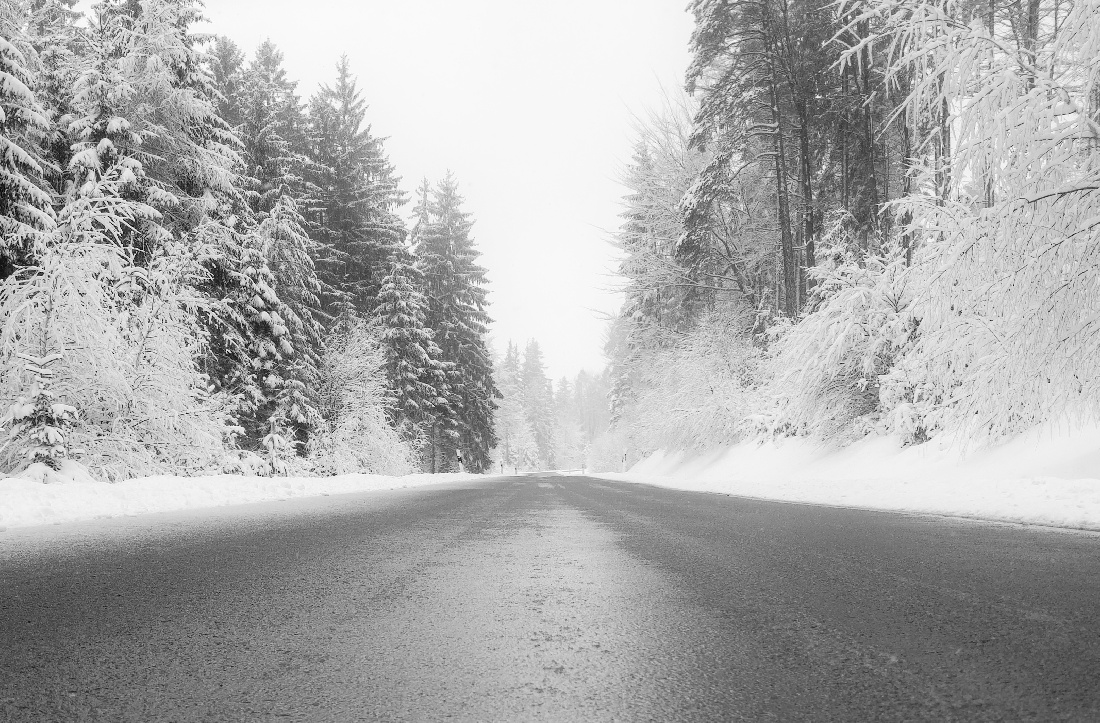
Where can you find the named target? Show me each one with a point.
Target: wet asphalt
(547, 598)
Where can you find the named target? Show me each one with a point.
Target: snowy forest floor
(25, 502)
(1045, 477)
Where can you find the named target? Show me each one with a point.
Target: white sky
(529, 102)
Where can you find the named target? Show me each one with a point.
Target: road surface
(547, 598)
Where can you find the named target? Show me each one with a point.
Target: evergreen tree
(539, 402)
(272, 129)
(455, 285)
(58, 41)
(416, 375)
(270, 117)
(227, 67)
(516, 448)
(286, 249)
(25, 208)
(357, 198)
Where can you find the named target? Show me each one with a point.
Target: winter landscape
(633, 320)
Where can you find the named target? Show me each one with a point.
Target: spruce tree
(414, 370)
(270, 118)
(539, 402)
(227, 67)
(516, 448)
(357, 199)
(286, 249)
(25, 209)
(457, 315)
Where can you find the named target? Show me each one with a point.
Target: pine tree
(455, 285)
(25, 208)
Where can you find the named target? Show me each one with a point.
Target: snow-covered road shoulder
(25, 502)
(1044, 477)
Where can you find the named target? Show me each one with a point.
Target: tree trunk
(809, 229)
(789, 271)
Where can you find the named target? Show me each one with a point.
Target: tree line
(865, 216)
(198, 269)
(542, 424)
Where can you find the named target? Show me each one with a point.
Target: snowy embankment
(1046, 477)
(76, 496)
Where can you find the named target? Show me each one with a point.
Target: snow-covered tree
(357, 435)
(38, 422)
(1006, 209)
(538, 397)
(124, 345)
(357, 199)
(25, 208)
(413, 361)
(287, 250)
(227, 67)
(516, 447)
(458, 317)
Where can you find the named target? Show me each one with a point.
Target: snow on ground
(1047, 476)
(29, 499)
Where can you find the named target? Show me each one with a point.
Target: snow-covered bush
(1008, 223)
(356, 435)
(695, 393)
(825, 369)
(610, 452)
(127, 343)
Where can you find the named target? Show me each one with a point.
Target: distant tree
(516, 447)
(539, 403)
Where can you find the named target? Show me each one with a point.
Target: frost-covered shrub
(825, 369)
(695, 393)
(1007, 223)
(610, 451)
(356, 435)
(246, 463)
(127, 343)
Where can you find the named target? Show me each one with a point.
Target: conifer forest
(859, 217)
(202, 270)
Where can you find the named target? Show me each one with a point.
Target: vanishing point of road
(547, 598)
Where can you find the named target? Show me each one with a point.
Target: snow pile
(1046, 476)
(41, 496)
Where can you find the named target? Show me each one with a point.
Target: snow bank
(40, 496)
(1048, 476)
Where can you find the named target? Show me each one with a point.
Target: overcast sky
(529, 102)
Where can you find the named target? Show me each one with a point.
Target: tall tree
(457, 314)
(413, 361)
(358, 196)
(25, 208)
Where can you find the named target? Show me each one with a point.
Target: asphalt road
(547, 598)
